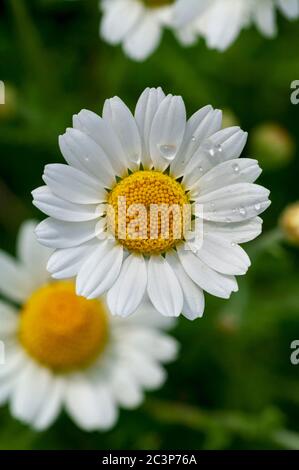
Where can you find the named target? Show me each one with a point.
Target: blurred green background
(233, 386)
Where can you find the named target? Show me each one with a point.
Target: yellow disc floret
(146, 212)
(62, 330)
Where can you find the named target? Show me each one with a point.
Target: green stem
(265, 426)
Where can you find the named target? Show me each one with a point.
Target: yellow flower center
(147, 212)
(62, 330)
(157, 3)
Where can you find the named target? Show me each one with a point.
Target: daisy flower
(136, 24)
(136, 164)
(66, 352)
(221, 21)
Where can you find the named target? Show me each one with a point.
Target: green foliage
(233, 385)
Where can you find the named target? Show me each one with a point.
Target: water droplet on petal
(257, 207)
(200, 169)
(233, 244)
(193, 138)
(236, 168)
(242, 211)
(167, 151)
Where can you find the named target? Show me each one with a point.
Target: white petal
(209, 280)
(9, 320)
(186, 10)
(120, 118)
(65, 263)
(60, 209)
(289, 7)
(245, 170)
(127, 292)
(100, 270)
(59, 234)
(144, 38)
(51, 407)
(194, 301)
(163, 287)
(15, 283)
(222, 255)
(32, 254)
(90, 407)
(265, 17)
(231, 141)
(73, 185)
(103, 134)
(234, 203)
(200, 126)
(239, 232)
(124, 387)
(146, 109)
(118, 19)
(146, 370)
(167, 131)
(30, 392)
(153, 343)
(83, 153)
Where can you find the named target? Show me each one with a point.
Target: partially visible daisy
(137, 24)
(65, 352)
(221, 21)
(153, 159)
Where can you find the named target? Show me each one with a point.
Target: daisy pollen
(151, 191)
(61, 330)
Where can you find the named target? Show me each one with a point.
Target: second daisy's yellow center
(147, 212)
(157, 3)
(62, 330)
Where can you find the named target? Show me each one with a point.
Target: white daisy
(191, 165)
(221, 21)
(137, 24)
(65, 352)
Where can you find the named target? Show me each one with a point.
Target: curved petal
(103, 134)
(125, 389)
(234, 203)
(60, 209)
(163, 287)
(194, 301)
(83, 153)
(66, 263)
(127, 292)
(239, 232)
(146, 109)
(100, 270)
(120, 118)
(144, 38)
(73, 185)
(167, 131)
(208, 279)
(58, 234)
(118, 19)
(222, 255)
(245, 170)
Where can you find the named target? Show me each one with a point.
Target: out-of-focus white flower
(155, 159)
(65, 352)
(221, 21)
(137, 24)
